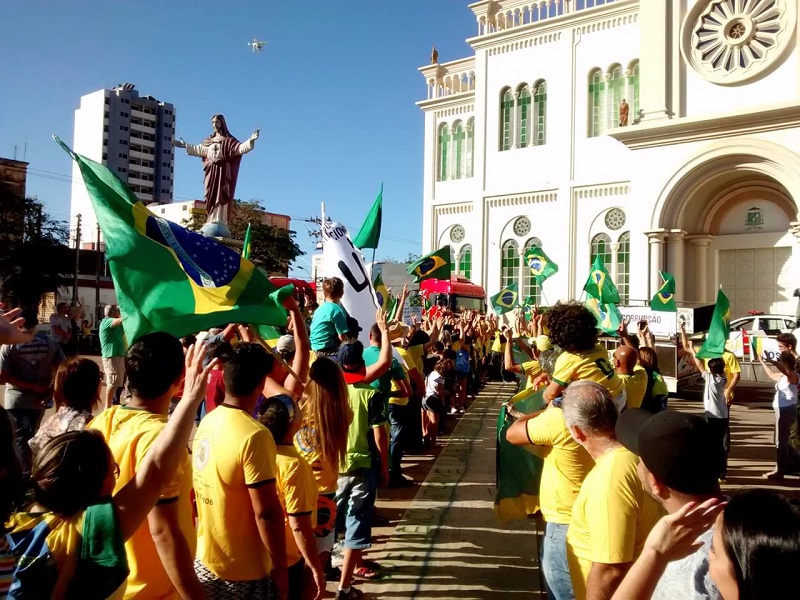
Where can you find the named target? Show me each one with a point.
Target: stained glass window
(509, 271)
(616, 84)
(530, 287)
(444, 152)
(601, 246)
(506, 111)
(465, 261)
(624, 266)
(540, 113)
(458, 139)
(596, 91)
(524, 116)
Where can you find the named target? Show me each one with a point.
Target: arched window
(444, 152)
(524, 122)
(530, 288)
(470, 150)
(624, 266)
(506, 111)
(616, 84)
(633, 86)
(458, 154)
(465, 261)
(540, 113)
(509, 266)
(596, 92)
(601, 246)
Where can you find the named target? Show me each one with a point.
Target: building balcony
(140, 155)
(450, 79)
(143, 128)
(494, 16)
(134, 168)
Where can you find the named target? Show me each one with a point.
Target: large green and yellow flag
(608, 316)
(505, 300)
(435, 265)
(381, 291)
(168, 278)
(540, 264)
(599, 284)
(720, 329)
(664, 300)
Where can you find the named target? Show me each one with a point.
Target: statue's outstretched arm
(247, 146)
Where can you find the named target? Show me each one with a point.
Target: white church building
(526, 142)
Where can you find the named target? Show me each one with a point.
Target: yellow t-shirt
(326, 475)
(130, 433)
(635, 386)
(566, 464)
(531, 369)
(731, 364)
(297, 490)
(588, 366)
(232, 452)
(499, 343)
(417, 354)
(611, 517)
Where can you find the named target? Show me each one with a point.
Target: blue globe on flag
(508, 298)
(536, 264)
(380, 298)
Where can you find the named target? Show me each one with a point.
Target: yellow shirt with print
(298, 492)
(635, 386)
(231, 453)
(408, 366)
(731, 364)
(566, 464)
(417, 354)
(587, 366)
(326, 475)
(611, 517)
(130, 433)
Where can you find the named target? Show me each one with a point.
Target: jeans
(398, 417)
(788, 456)
(26, 424)
(720, 429)
(355, 504)
(553, 559)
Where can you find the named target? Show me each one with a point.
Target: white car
(770, 325)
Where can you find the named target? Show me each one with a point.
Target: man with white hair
(613, 514)
(112, 347)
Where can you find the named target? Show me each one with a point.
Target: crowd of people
(238, 468)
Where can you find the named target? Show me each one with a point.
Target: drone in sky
(257, 45)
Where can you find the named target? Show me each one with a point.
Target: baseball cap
(353, 328)
(351, 359)
(679, 449)
(285, 345)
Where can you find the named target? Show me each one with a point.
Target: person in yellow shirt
(566, 465)
(632, 375)
(530, 369)
(573, 328)
(613, 514)
(234, 460)
(297, 490)
(160, 553)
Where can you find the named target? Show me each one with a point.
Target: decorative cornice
(681, 131)
(447, 101)
(609, 23)
(522, 199)
(539, 40)
(458, 110)
(621, 188)
(461, 208)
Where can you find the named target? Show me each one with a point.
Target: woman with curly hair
(573, 328)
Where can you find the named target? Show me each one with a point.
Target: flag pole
(541, 287)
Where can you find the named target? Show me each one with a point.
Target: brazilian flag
(599, 284)
(540, 264)
(435, 265)
(664, 300)
(505, 300)
(381, 291)
(608, 316)
(168, 278)
(720, 329)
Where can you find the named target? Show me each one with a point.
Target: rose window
(615, 219)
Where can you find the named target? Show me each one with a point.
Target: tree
(34, 254)
(271, 248)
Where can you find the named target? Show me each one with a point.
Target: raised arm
(302, 345)
(689, 347)
(385, 358)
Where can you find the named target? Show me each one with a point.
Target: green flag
(435, 265)
(505, 300)
(389, 305)
(168, 278)
(246, 245)
(719, 331)
(599, 284)
(370, 233)
(664, 300)
(608, 316)
(540, 264)
(381, 291)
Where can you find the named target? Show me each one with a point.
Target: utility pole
(97, 281)
(77, 260)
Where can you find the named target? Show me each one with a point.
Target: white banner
(662, 324)
(341, 259)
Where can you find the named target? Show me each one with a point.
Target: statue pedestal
(216, 230)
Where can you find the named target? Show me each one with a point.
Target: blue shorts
(355, 504)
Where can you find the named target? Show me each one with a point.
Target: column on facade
(515, 119)
(655, 69)
(656, 241)
(615, 262)
(521, 275)
(676, 260)
(700, 244)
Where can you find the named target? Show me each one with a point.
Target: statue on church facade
(222, 155)
(434, 56)
(624, 111)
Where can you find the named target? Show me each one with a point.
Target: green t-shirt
(328, 323)
(395, 373)
(368, 411)
(112, 339)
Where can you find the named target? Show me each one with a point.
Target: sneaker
(401, 482)
(352, 594)
(774, 475)
(453, 411)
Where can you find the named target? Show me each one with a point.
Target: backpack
(462, 361)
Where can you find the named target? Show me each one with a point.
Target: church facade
(659, 134)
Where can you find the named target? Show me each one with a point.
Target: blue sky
(333, 94)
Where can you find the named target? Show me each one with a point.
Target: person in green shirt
(329, 326)
(112, 348)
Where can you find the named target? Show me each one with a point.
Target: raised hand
(11, 327)
(675, 536)
(255, 135)
(179, 143)
(194, 386)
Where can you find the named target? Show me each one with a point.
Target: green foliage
(272, 248)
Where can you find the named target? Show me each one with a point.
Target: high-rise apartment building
(132, 135)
